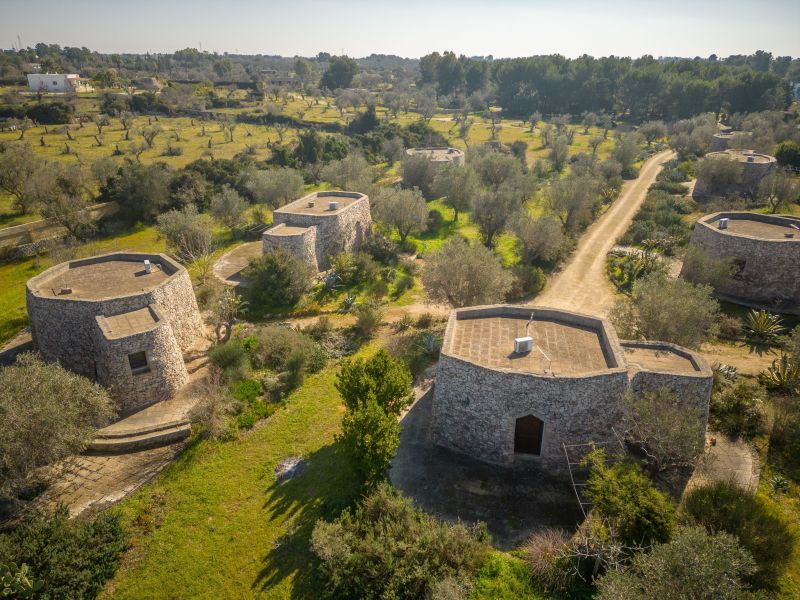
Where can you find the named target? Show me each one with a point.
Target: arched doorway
(528, 435)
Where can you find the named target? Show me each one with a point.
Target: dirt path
(582, 285)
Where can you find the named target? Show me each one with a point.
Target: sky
(410, 28)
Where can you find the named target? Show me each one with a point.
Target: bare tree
(149, 135)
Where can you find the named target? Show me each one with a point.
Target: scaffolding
(579, 474)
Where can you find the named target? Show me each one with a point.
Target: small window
(138, 362)
(737, 271)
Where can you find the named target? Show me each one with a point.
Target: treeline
(643, 88)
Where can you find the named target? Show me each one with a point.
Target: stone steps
(131, 440)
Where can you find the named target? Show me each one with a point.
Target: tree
(61, 422)
(350, 173)
(459, 186)
(19, 165)
(393, 149)
(229, 208)
(637, 512)
(492, 210)
(694, 564)
(788, 154)
(720, 176)
(402, 210)
(142, 191)
(68, 200)
(670, 310)
(540, 240)
(419, 172)
(653, 130)
(101, 121)
(572, 199)
(303, 69)
(626, 151)
(340, 73)
(464, 275)
(380, 379)
(274, 187)
(103, 169)
(276, 279)
(188, 233)
(149, 134)
(670, 434)
(777, 189)
(369, 440)
(558, 152)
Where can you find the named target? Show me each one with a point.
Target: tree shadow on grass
(322, 489)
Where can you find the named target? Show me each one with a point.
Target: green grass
(13, 315)
(226, 528)
(504, 577)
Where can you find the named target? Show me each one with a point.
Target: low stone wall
(133, 391)
(767, 270)
(302, 245)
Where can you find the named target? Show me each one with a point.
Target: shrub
(386, 548)
(231, 359)
(67, 410)
(693, 565)
(762, 328)
(724, 506)
(247, 390)
(72, 558)
(276, 279)
(730, 328)
(739, 409)
(380, 378)
(369, 440)
(639, 513)
(527, 282)
(544, 551)
(354, 268)
(274, 345)
(381, 248)
(369, 318)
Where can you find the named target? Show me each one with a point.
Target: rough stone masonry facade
(336, 231)
(301, 243)
(766, 271)
(65, 329)
(475, 408)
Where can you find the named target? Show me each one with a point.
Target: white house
(56, 83)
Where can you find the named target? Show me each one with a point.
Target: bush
(354, 268)
(639, 514)
(62, 421)
(73, 558)
(381, 248)
(724, 506)
(52, 113)
(730, 328)
(230, 359)
(275, 345)
(671, 187)
(739, 409)
(693, 565)
(369, 318)
(386, 548)
(276, 279)
(527, 282)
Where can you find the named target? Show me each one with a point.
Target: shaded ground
(583, 285)
(513, 502)
(728, 460)
(230, 265)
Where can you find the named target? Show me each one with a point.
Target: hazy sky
(410, 27)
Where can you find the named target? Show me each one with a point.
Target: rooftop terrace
(104, 276)
(318, 203)
(129, 323)
(561, 347)
(436, 154)
(658, 358)
(742, 156)
(768, 227)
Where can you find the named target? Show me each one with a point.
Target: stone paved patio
(228, 268)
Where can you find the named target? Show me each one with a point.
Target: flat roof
(102, 277)
(287, 230)
(569, 348)
(742, 156)
(658, 359)
(437, 154)
(318, 203)
(768, 227)
(129, 323)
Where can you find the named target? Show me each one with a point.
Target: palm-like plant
(763, 328)
(783, 375)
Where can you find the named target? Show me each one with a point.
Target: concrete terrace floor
(513, 502)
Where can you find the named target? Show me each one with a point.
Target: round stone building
(440, 155)
(122, 319)
(765, 254)
(754, 167)
(319, 226)
(517, 383)
(725, 139)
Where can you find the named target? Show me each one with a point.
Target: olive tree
(189, 234)
(573, 199)
(229, 208)
(721, 175)
(46, 414)
(492, 210)
(419, 172)
(19, 165)
(539, 240)
(463, 275)
(459, 186)
(404, 211)
(778, 189)
(670, 310)
(274, 187)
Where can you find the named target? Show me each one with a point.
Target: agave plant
(784, 375)
(763, 328)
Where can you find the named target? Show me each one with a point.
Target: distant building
(275, 77)
(149, 83)
(57, 83)
(439, 155)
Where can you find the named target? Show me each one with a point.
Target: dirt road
(582, 285)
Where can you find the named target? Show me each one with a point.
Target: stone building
(119, 320)
(754, 168)
(765, 254)
(319, 226)
(439, 154)
(506, 404)
(726, 139)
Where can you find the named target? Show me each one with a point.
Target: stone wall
(752, 174)
(340, 231)
(302, 245)
(133, 391)
(62, 327)
(767, 269)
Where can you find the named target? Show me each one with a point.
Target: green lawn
(225, 528)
